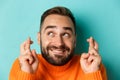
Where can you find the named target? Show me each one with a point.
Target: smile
(58, 51)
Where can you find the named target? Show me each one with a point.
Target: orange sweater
(70, 71)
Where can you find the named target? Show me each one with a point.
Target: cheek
(70, 43)
(45, 42)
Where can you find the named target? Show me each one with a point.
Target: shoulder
(39, 56)
(76, 56)
(75, 59)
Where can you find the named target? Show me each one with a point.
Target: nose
(59, 41)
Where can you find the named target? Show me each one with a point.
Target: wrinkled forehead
(58, 29)
(57, 22)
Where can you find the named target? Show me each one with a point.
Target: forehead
(58, 21)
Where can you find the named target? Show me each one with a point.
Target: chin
(57, 59)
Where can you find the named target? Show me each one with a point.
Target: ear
(38, 38)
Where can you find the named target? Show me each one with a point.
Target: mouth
(58, 51)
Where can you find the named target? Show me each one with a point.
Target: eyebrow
(49, 27)
(65, 28)
(68, 28)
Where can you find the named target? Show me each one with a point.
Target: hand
(28, 58)
(90, 61)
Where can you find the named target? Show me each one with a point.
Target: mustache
(62, 47)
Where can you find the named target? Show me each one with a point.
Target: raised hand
(28, 58)
(90, 61)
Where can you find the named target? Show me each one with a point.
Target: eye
(51, 34)
(66, 35)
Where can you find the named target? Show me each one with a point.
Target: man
(57, 61)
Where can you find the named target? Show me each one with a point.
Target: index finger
(25, 46)
(95, 45)
(28, 43)
(91, 43)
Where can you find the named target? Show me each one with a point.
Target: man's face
(57, 39)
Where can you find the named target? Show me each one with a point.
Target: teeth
(58, 51)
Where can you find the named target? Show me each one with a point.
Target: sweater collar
(52, 68)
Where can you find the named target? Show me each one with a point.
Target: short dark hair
(60, 11)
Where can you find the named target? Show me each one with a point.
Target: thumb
(85, 55)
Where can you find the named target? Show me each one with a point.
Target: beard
(57, 59)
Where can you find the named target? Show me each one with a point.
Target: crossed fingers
(93, 46)
(25, 47)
